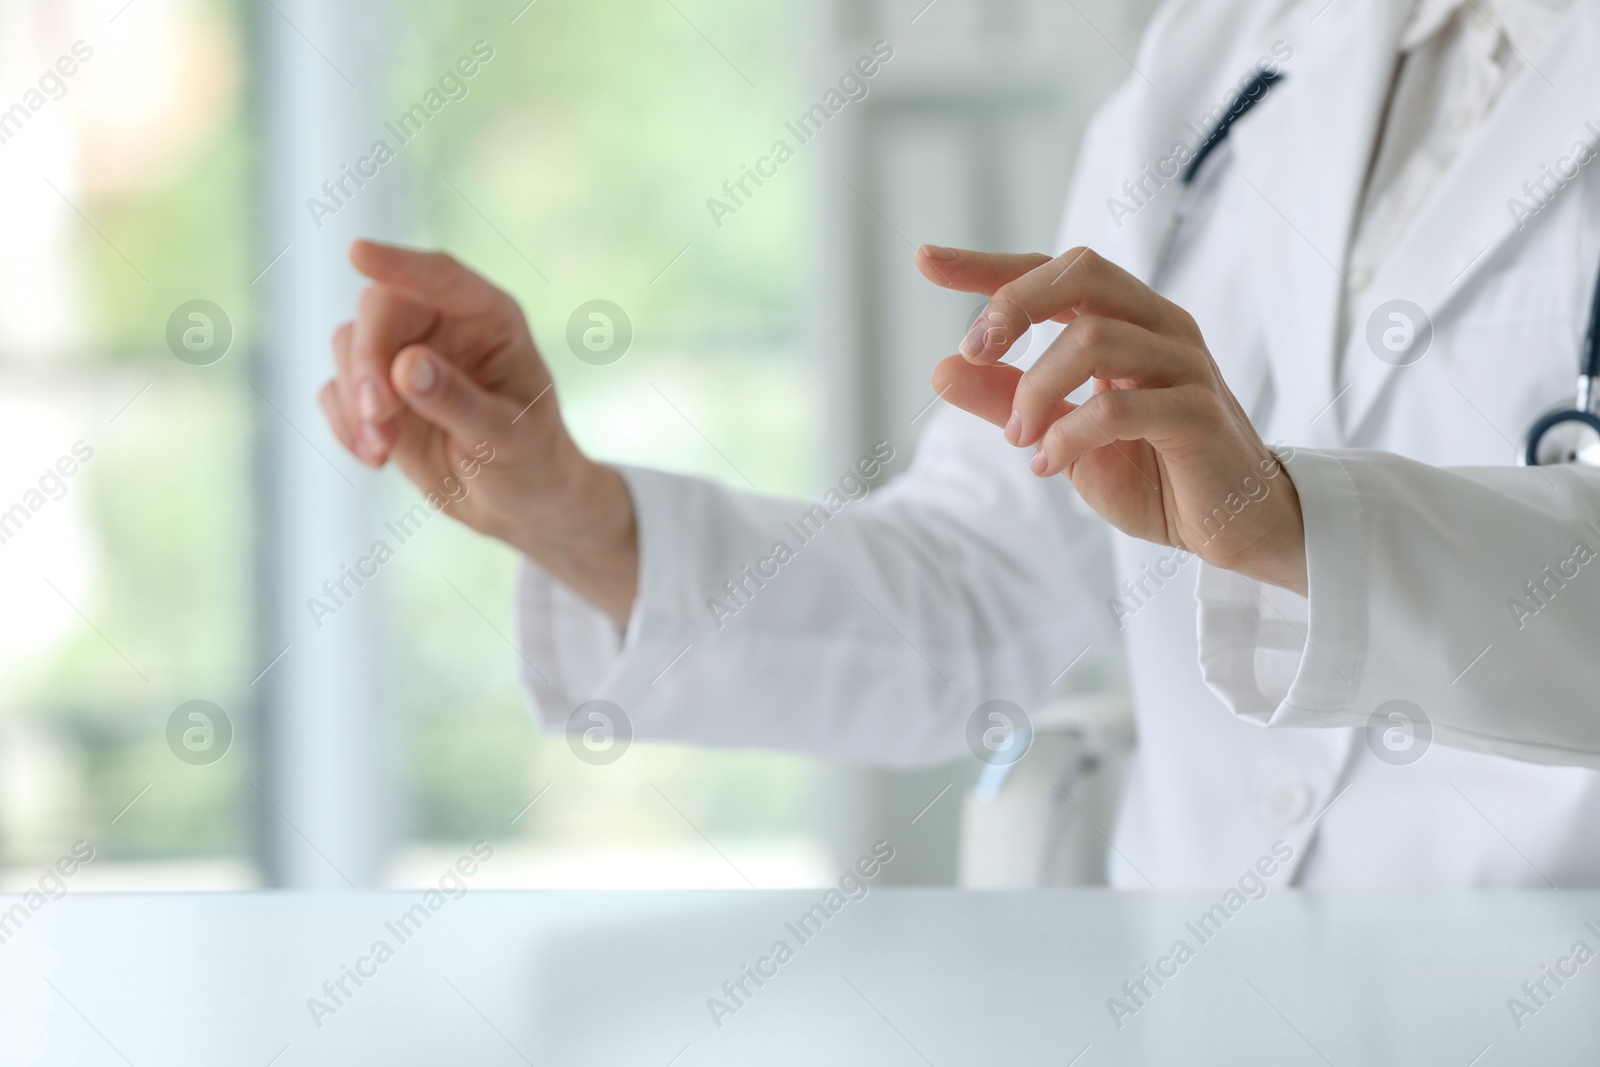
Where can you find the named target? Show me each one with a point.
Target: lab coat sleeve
(889, 622)
(965, 579)
(1471, 593)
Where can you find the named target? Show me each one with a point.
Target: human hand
(1162, 449)
(438, 372)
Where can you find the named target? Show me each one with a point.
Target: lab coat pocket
(1518, 331)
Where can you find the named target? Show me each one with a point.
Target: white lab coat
(968, 579)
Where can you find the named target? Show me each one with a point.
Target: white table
(901, 977)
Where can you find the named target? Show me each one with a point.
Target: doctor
(1385, 271)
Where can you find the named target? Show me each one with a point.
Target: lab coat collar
(1303, 161)
(1427, 19)
(1474, 212)
(1525, 23)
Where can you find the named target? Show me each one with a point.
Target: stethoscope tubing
(1192, 190)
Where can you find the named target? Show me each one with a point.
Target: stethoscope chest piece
(1565, 436)
(1572, 435)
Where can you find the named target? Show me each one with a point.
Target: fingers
(1076, 282)
(342, 381)
(433, 278)
(338, 421)
(386, 321)
(433, 388)
(986, 390)
(1112, 415)
(367, 442)
(414, 289)
(1092, 347)
(974, 272)
(439, 392)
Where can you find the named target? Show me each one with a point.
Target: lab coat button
(1360, 278)
(1286, 803)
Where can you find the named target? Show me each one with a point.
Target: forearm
(585, 537)
(870, 629)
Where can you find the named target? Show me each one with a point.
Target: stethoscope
(1572, 435)
(1191, 191)
(1566, 435)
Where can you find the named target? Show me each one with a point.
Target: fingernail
(371, 442)
(939, 252)
(1014, 429)
(972, 344)
(422, 374)
(1040, 462)
(367, 398)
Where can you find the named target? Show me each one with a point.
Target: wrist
(1281, 557)
(581, 503)
(581, 531)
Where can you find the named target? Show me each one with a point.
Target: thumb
(987, 390)
(437, 390)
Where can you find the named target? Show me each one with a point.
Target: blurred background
(179, 162)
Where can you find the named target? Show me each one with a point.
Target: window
(126, 561)
(576, 167)
(171, 271)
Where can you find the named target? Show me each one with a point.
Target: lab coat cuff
(572, 651)
(1273, 656)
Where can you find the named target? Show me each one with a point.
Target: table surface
(898, 977)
